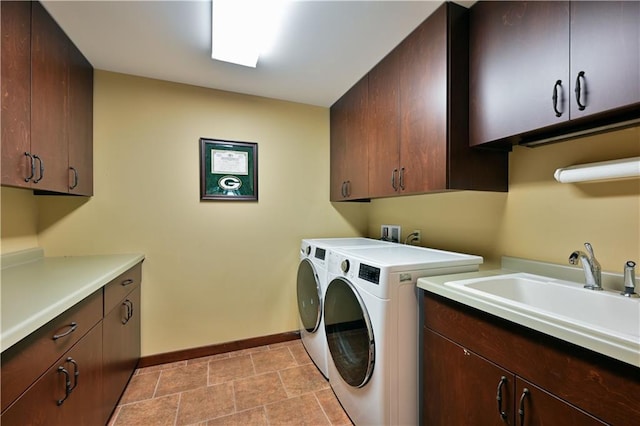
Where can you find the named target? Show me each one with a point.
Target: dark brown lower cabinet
(479, 369)
(74, 369)
(461, 387)
(473, 390)
(68, 393)
(121, 347)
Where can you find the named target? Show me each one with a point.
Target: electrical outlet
(391, 233)
(416, 236)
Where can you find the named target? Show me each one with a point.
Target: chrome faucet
(591, 266)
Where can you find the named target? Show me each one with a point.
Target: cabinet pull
(347, 186)
(402, 178)
(127, 282)
(128, 305)
(76, 373)
(525, 392)
(126, 312)
(41, 169)
(33, 167)
(503, 381)
(394, 185)
(75, 178)
(555, 98)
(73, 326)
(67, 387)
(578, 90)
(342, 190)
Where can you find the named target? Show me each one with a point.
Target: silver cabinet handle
(578, 90)
(41, 169)
(72, 328)
(75, 178)
(33, 167)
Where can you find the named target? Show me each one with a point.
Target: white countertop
(626, 353)
(35, 289)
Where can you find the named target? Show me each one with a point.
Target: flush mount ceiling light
(242, 30)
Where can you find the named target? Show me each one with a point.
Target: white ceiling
(325, 47)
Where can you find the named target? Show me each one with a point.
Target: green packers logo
(229, 183)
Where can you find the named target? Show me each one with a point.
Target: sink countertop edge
(615, 350)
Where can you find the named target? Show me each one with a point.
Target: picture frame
(228, 170)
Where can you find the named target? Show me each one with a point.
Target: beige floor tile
(224, 370)
(157, 412)
(251, 417)
(207, 358)
(300, 353)
(303, 379)
(299, 410)
(140, 387)
(273, 360)
(232, 389)
(283, 344)
(249, 351)
(154, 368)
(205, 403)
(258, 390)
(332, 408)
(182, 379)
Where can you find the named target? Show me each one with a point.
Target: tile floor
(268, 385)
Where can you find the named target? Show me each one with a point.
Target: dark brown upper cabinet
(416, 124)
(15, 86)
(541, 70)
(349, 150)
(47, 110)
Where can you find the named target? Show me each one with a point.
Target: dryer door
(349, 332)
(309, 296)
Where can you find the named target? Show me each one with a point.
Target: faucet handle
(589, 250)
(630, 279)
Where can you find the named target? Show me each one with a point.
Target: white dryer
(311, 285)
(371, 326)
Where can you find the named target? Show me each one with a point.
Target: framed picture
(228, 170)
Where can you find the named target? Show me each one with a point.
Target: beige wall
(539, 218)
(222, 271)
(214, 271)
(19, 224)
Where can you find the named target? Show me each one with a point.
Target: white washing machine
(311, 285)
(371, 325)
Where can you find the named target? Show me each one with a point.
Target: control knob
(345, 265)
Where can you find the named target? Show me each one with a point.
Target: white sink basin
(562, 302)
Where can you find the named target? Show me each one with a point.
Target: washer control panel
(369, 273)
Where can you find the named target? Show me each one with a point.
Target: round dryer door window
(309, 296)
(349, 332)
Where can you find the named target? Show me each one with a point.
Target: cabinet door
(423, 106)
(45, 403)
(349, 153)
(461, 388)
(338, 120)
(15, 86)
(605, 46)
(538, 407)
(384, 136)
(518, 55)
(80, 123)
(121, 350)
(49, 80)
